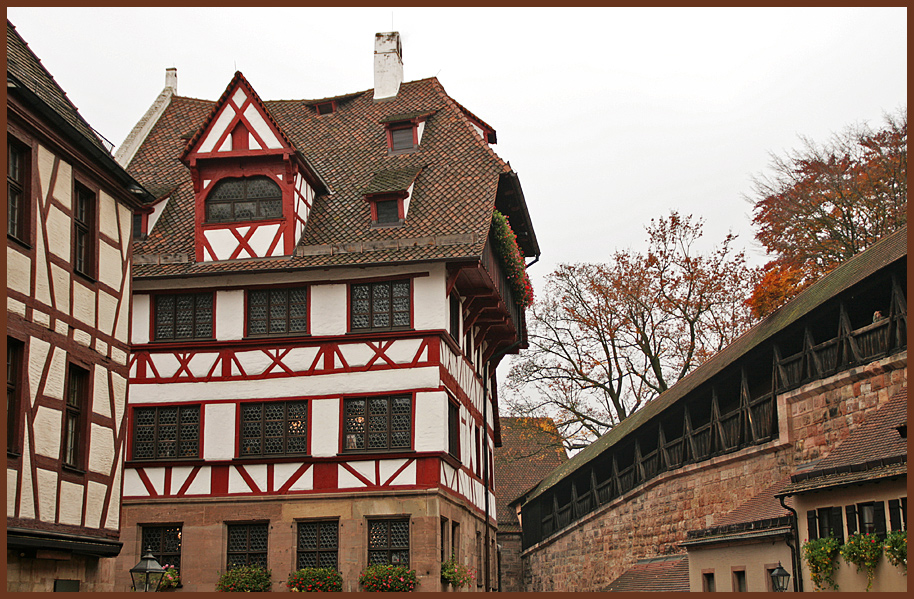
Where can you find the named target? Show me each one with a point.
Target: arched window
(251, 198)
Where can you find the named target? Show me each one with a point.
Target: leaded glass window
(378, 423)
(250, 198)
(318, 543)
(274, 428)
(388, 542)
(183, 316)
(166, 432)
(278, 311)
(165, 544)
(247, 545)
(381, 305)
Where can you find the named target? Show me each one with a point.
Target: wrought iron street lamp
(147, 574)
(779, 579)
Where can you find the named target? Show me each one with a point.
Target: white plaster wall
(107, 311)
(61, 281)
(16, 307)
(71, 503)
(331, 384)
(101, 449)
(431, 421)
(53, 383)
(325, 427)
(47, 432)
(261, 127)
(18, 271)
(157, 211)
(45, 170)
(218, 431)
(229, 315)
(63, 187)
(95, 501)
(133, 486)
(83, 304)
(58, 226)
(328, 309)
(38, 353)
(261, 239)
(223, 243)
(139, 327)
(430, 304)
(217, 129)
(47, 495)
(107, 215)
(101, 403)
(109, 265)
(11, 477)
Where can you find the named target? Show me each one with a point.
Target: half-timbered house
(68, 256)
(319, 307)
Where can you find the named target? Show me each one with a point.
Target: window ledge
(19, 242)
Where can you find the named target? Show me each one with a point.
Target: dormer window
(401, 137)
(250, 198)
(388, 196)
(325, 107)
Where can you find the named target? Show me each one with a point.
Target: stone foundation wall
(653, 518)
(26, 574)
(510, 566)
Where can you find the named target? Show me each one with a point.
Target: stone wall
(653, 518)
(37, 574)
(510, 566)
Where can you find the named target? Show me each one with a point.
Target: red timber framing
(241, 139)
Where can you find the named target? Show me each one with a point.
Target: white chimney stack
(388, 65)
(171, 79)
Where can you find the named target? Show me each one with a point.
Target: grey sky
(610, 116)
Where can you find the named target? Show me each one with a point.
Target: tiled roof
(392, 180)
(872, 451)
(453, 195)
(26, 69)
(663, 574)
(885, 252)
(530, 449)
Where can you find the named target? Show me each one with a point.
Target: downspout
(485, 451)
(794, 551)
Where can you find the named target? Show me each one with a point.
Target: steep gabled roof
(530, 449)
(450, 208)
(885, 252)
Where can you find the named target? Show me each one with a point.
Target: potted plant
(383, 578)
(171, 579)
(864, 550)
(821, 557)
(896, 549)
(512, 259)
(246, 579)
(455, 574)
(315, 580)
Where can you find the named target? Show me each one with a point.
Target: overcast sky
(610, 116)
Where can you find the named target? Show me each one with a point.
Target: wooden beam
(744, 404)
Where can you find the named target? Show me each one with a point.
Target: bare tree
(605, 338)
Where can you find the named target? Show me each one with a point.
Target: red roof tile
(664, 574)
(531, 448)
(454, 194)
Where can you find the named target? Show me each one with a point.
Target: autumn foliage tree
(820, 205)
(605, 338)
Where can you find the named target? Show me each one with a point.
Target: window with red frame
(180, 316)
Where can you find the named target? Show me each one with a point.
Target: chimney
(171, 79)
(388, 65)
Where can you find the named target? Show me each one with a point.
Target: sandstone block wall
(653, 518)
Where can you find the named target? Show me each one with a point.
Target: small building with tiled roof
(744, 546)
(320, 302)
(70, 208)
(530, 449)
(859, 487)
